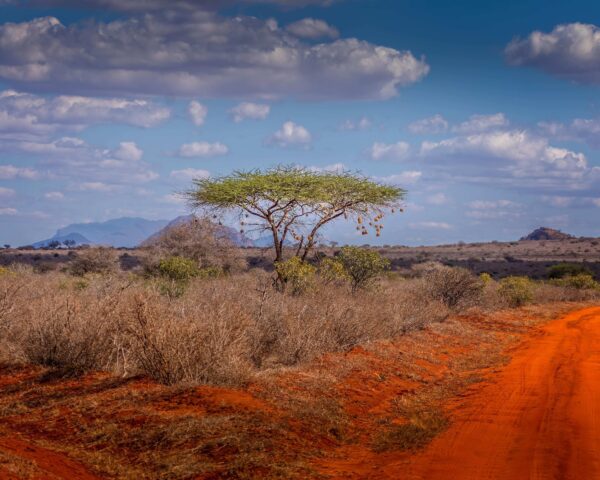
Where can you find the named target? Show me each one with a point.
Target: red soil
(538, 419)
(52, 465)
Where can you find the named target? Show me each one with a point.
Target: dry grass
(220, 331)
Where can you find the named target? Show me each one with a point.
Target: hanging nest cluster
(375, 223)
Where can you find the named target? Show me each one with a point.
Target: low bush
(516, 291)
(178, 268)
(485, 278)
(294, 275)
(562, 270)
(332, 271)
(455, 287)
(362, 265)
(94, 260)
(581, 281)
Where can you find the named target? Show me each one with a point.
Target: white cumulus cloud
(353, 125)
(482, 123)
(409, 177)
(431, 125)
(197, 113)
(203, 149)
(394, 151)
(174, 52)
(10, 172)
(249, 110)
(570, 50)
(312, 29)
(54, 195)
(290, 135)
(24, 113)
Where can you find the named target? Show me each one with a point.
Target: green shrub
(210, 272)
(485, 278)
(362, 265)
(563, 270)
(517, 291)
(178, 268)
(331, 270)
(581, 281)
(295, 274)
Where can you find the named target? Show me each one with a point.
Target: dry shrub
(455, 287)
(62, 326)
(183, 343)
(219, 331)
(94, 260)
(547, 292)
(200, 240)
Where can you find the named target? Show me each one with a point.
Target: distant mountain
(544, 233)
(119, 232)
(74, 237)
(131, 232)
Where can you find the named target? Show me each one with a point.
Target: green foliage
(562, 270)
(362, 265)
(4, 271)
(485, 278)
(292, 184)
(331, 270)
(517, 291)
(178, 268)
(581, 281)
(296, 202)
(295, 274)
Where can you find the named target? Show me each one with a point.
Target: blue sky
(488, 113)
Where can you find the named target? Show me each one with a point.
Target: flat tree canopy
(295, 203)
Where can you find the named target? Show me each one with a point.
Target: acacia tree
(292, 202)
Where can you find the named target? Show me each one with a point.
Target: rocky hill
(544, 233)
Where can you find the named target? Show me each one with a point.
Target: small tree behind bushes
(199, 240)
(362, 266)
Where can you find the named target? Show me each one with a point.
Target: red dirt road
(538, 419)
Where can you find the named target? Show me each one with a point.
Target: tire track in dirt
(538, 419)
